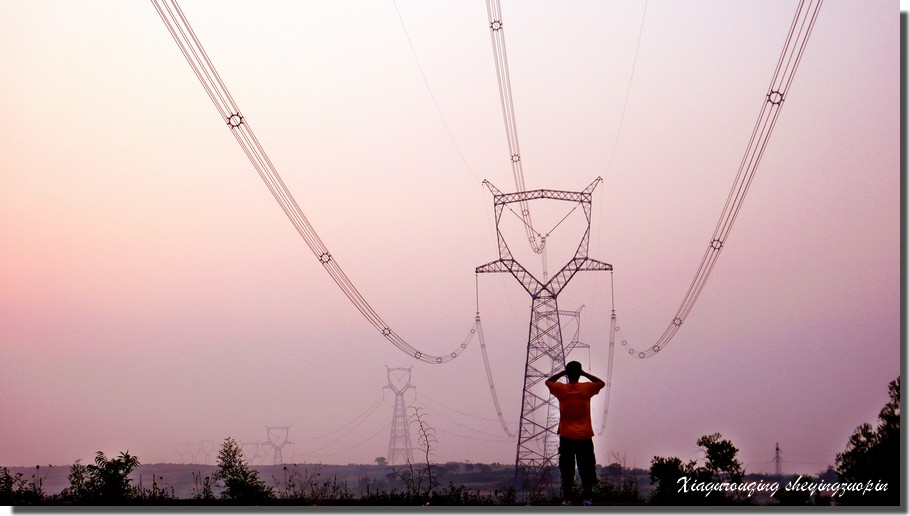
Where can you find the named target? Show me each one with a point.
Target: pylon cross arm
(527, 280)
(590, 264)
(494, 266)
(561, 278)
(532, 195)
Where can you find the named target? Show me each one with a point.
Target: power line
(358, 420)
(790, 57)
(501, 61)
(192, 50)
(625, 103)
(426, 82)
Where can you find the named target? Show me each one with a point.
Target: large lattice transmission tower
(400, 450)
(546, 354)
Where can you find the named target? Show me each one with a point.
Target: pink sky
(153, 293)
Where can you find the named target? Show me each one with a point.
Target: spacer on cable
(325, 258)
(775, 97)
(496, 25)
(418, 354)
(631, 351)
(516, 158)
(235, 120)
(453, 355)
(608, 384)
(616, 328)
(655, 348)
(677, 321)
(386, 331)
(611, 344)
(491, 386)
(716, 244)
(473, 331)
(463, 346)
(625, 343)
(438, 360)
(641, 355)
(483, 346)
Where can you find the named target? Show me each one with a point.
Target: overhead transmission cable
(790, 57)
(500, 59)
(463, 425)
(192, 49)
(435, 403)
(625, 103)
(319, 452)
(622, 117)
(478, 326)
(615, 331)
(357, 421)
(426, 82)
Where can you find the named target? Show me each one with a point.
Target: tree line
(867, 473)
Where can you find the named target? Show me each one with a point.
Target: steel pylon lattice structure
(778, 468)
(250, 450)
(537, 440)
(400, 450)
(277, 438)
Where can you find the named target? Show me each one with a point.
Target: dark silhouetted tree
(104, 482)
(111, 476)
(241, 484)
(873, 455)
(16, 490)
(721, 465)
(720, 458)
(665, 472)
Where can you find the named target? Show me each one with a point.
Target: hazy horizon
(155, 294)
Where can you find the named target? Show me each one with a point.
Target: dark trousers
(582, 452)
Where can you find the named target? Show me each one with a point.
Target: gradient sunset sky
(153, 293)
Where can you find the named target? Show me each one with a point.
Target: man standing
(575, 430)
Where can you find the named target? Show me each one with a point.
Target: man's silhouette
(575, 430)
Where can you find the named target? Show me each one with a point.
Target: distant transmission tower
(546, 354)
(193, 449)
(400, 451)
(778, 461)
(183, 453)
(250, 450)
(207, 447)
(277, 439)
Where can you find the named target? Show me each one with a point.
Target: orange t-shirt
(575, 407)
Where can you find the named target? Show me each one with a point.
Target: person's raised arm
(556, 376)
(592, 378)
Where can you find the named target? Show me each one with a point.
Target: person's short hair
(573, 370)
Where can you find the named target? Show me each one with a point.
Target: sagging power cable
(183, 34)
(500, 59)
(790, 57)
